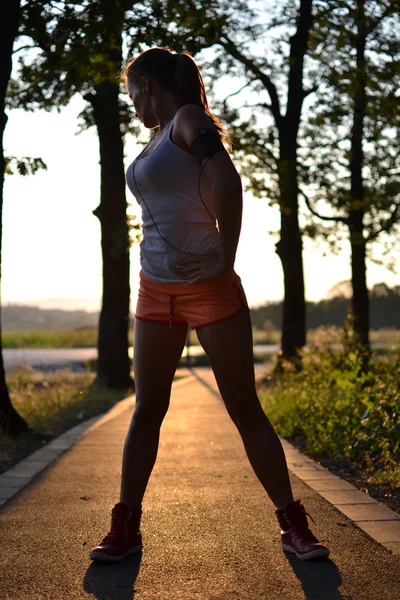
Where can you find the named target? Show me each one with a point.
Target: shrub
(336, 406)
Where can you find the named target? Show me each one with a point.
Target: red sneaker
(295, 533)
(124, 537)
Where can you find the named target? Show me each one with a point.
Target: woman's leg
(229, 347)
(157, 350)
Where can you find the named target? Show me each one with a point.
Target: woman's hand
(201, 267)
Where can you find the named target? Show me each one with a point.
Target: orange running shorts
(199, 304)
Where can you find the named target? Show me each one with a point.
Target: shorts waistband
(188, 288)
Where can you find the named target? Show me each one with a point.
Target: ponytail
(180, 74)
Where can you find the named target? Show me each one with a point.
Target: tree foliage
(326, 137)
(24, 165)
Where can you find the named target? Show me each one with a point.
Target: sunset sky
(51, 240)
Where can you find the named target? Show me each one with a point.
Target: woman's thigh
(156, 353)
(229, 347)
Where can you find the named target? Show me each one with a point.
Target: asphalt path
(209, 529)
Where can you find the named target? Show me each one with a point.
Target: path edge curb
(377, 520)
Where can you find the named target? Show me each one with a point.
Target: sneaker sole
(101, 556)
(319, 553)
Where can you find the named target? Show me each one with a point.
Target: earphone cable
(155, 224)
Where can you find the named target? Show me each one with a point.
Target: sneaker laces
(308, 515)
(301, 530)
(300, 526)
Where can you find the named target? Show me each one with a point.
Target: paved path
(209, 529)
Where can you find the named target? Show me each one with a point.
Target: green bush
(337, 406)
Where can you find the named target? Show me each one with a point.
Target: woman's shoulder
(188, 120)
(192, 110)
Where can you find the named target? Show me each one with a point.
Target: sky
(51, 239)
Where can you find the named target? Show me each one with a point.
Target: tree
(236, 30)
(272, 152)
(79, 50)
(10, 420)
(353, 159)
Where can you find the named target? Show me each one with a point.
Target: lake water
(36, 357)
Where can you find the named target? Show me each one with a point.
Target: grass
(81, 338)
(51, 403)
(333, 409)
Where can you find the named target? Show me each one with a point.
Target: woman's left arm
(226, 194)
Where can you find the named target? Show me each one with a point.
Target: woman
(191, 199)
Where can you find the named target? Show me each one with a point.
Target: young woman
(191, 199)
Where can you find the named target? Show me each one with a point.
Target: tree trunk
(290, 247)
(114, 363)
(360, 300)
(10, 421)
(289, 250)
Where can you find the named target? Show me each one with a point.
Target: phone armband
(206, 144)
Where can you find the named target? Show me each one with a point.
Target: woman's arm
(226, 185)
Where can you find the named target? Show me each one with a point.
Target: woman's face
(140, 94)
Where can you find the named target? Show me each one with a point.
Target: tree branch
(392, 220)
(298, 50)
(238, 91)
(251, 66)
(310, 91)
(27, 47)
(257, 105)
(323, 217)
(272, 155)
(373, 23)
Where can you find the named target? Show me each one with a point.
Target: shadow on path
(319, 578)
(203, 382)
(113, 581)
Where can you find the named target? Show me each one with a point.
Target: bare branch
(310, 91)
(251, 66)
(54, 5)
(27, 47)
(257, 105)
(238, 92)
(323, 217)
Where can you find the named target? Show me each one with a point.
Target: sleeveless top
(178, 222)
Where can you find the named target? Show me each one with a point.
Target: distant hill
(72, 303)
(33, 318)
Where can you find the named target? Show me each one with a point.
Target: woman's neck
(165, 107)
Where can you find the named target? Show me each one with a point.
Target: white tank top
(177, 224)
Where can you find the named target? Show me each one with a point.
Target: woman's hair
(177, 73)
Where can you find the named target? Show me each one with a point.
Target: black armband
(206, 144)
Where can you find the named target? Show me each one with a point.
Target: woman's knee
(149, 415)
(247, 414)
